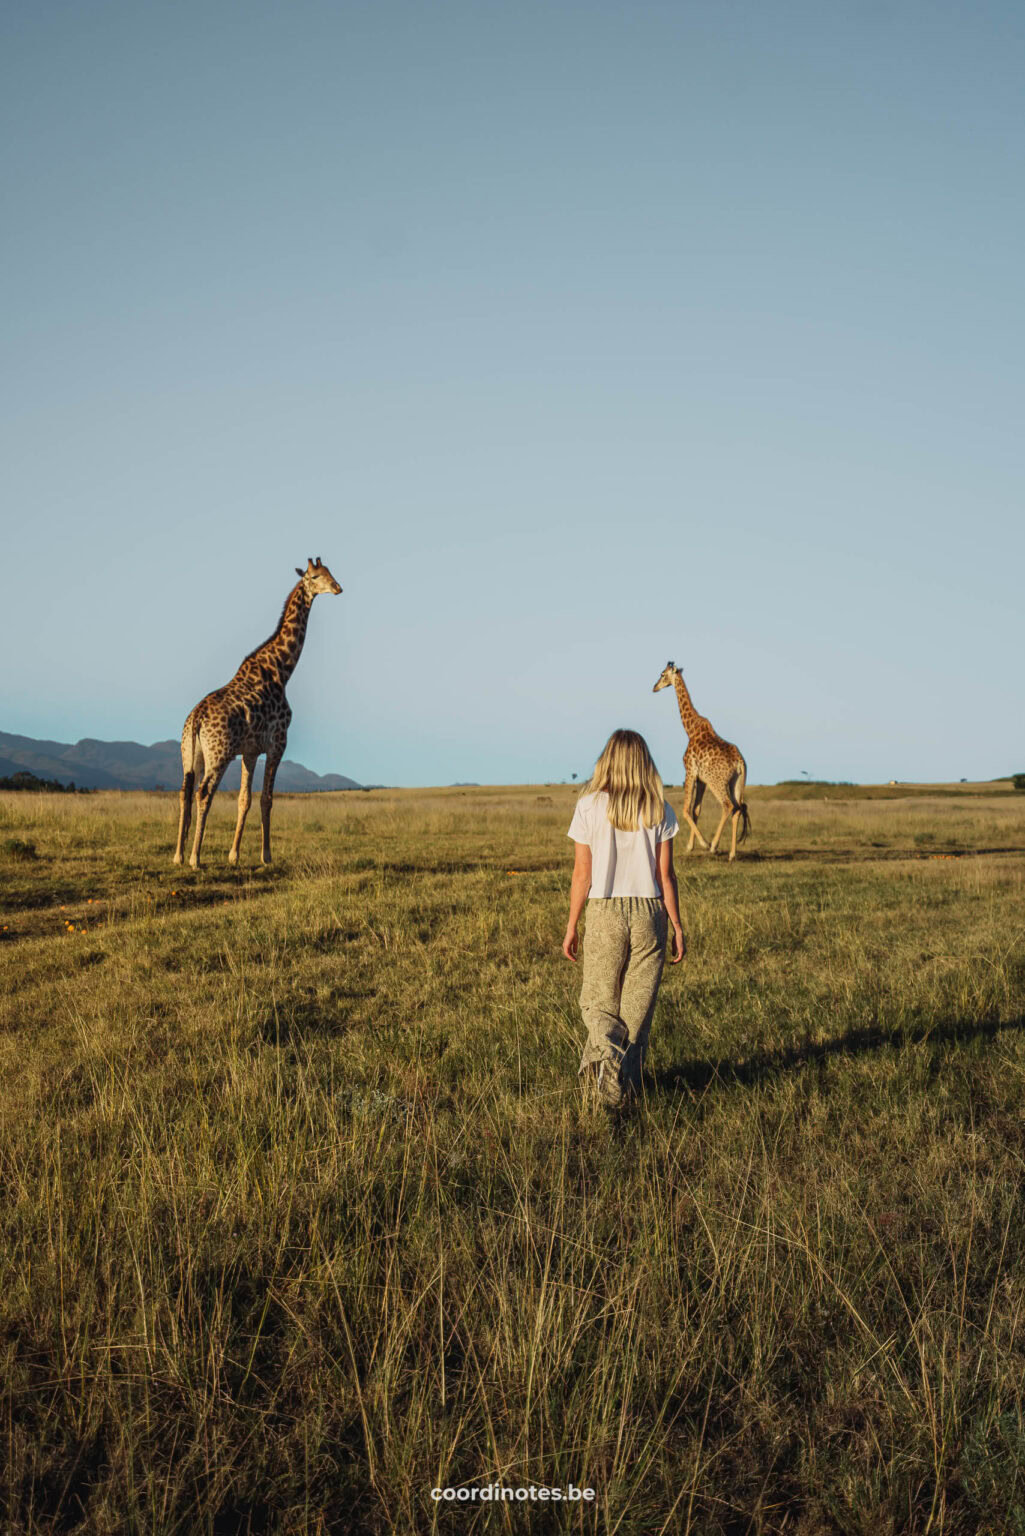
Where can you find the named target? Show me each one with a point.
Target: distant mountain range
(129, 765)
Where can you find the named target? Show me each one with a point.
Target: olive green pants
(624, 951)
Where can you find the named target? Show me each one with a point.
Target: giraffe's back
(713, 759)
(249, 715)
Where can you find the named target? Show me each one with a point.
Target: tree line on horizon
(25, 780)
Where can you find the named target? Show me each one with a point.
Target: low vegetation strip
(23, 782)
(303, 1217)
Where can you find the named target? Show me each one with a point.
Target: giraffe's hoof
(177, 859)
(233, 857)
(194, 863)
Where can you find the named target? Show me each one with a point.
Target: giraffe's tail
(745, 819)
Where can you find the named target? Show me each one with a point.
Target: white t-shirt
(622, 863)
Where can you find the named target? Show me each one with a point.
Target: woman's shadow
(698, 1075)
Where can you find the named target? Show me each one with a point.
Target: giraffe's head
(668, 678)
(317, 578)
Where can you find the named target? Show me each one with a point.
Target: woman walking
(623, 830)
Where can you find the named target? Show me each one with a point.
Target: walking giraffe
(709, 761)
(248, 715)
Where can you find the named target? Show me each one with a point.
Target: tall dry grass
(303, 1216)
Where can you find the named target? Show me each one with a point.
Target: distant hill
(129, 765)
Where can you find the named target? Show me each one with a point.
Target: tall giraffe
(709, 761)
(248, 715)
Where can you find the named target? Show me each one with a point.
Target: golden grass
(303, 1216)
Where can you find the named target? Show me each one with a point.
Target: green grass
(303, 1216)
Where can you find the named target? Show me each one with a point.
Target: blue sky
(572, 336)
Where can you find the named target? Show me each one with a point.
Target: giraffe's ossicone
(248, 716)
(710, 763)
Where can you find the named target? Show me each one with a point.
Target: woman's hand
(578, 889)
(665, 874)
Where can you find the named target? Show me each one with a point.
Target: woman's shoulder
(583, 819)
(595, 806)
(586, 816)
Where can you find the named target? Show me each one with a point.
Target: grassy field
(303, 1217)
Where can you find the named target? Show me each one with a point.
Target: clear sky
(572, 336)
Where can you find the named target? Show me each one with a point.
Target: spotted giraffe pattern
(710, 763)
(249, 715)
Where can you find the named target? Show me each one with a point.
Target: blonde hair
(626, 773)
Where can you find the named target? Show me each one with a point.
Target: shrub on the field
(1018, 780)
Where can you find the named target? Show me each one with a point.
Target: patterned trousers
(624, 951)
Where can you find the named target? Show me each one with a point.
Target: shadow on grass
(181, 890)
(486, 865)
(700, 1075)
(310, 1019)
(871, 855)
(215, 891)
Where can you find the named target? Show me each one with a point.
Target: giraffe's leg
(245, 800)
(728, 809)
(733, 845)
(192, 765)
(693, 790)
(267, 799)
(184, 814)
(699, 795)
(204, 799)
(741, 818)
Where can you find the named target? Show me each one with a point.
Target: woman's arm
(579, 887)
(665, 874)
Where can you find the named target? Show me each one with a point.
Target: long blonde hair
(627, 774)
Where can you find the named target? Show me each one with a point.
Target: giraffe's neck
(282, 651)
(688, 714)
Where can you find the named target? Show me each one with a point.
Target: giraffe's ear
(298, 570)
